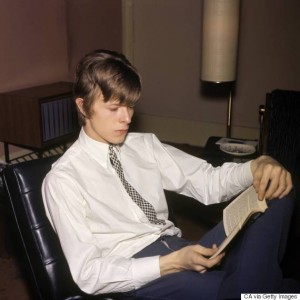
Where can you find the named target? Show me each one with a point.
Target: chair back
(281, 137)
(281, 128)
(47, 269)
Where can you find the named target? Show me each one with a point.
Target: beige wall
(166, 49)
(42, 40)
(92, 24)
(33, 43)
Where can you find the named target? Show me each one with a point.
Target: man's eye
(113, 108)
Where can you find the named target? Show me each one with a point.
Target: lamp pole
(229, 114)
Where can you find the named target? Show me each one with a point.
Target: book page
(238, 211)
(226, 242)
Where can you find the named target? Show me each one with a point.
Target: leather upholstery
(46, 266)
(281, 137)
(282, 127)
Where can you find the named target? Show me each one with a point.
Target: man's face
(109, 121)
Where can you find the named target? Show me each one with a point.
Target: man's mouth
(122, 131)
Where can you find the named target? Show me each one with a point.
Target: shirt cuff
(247, 173)
(145, 270)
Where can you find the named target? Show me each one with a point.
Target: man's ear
(79, 103)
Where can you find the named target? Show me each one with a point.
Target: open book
(237, 214)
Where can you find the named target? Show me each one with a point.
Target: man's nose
(126, 114)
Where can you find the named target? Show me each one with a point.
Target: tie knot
(111, 151)
(113, 156)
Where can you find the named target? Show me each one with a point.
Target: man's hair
(108, 73)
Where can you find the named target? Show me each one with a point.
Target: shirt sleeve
(194, 177)
(93, 272)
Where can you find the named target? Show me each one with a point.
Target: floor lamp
(220, 30)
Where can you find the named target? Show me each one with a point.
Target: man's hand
(270, 179)
(195, 258)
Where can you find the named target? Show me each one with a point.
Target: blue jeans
(251, 264)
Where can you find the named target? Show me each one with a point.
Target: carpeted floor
(12, 284)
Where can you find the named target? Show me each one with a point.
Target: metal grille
(59, 117)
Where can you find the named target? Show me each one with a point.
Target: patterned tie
(145, 206)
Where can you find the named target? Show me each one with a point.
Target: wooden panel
(20, 116)
(19, 119)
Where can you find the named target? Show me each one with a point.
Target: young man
(105, 199)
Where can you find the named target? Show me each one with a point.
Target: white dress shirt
(99, 226)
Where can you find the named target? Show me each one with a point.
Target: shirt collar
(97, 150)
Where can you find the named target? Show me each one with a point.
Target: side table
(217, 157)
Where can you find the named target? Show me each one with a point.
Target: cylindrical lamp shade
(220, 40)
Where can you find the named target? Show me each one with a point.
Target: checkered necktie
(145, 206)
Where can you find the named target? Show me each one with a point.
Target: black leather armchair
(280, 135)
(280, 138)
(47, 270)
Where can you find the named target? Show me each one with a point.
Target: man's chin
(118, 140)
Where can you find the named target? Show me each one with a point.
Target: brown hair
(109, 73)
